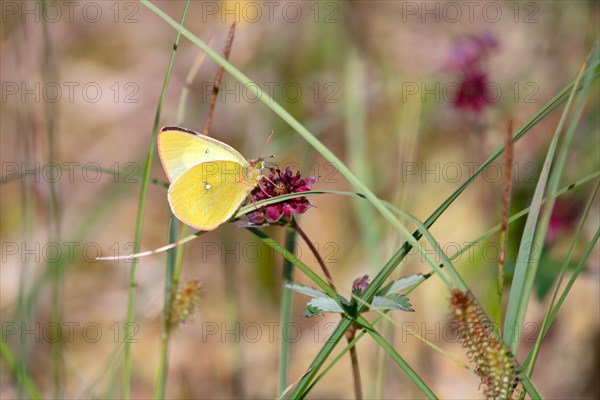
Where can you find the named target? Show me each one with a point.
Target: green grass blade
(285, 314)
(163, 366)
(571, 282)
(354, 103)
(174, 256)
(18, 370)
(298, 127)
(482, 237)
(388, 348)
(526, 265)
(546, 323)
(126, 379)
(411, 241)
(380, 278)
(289, 256)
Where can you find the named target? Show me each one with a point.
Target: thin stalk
(396, 357)
(350, 335)
(54, 210)
(173, 270)
(218, 78)
(506, 187)
(170, 288)
(234, 313)
(23, 313)
(285, 313)
(126, 379)
(315, 253)
(351, 332)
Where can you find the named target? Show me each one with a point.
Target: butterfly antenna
(265, 145)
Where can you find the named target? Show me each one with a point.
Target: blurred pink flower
(467, 57)
(563, 219)
(472, 92)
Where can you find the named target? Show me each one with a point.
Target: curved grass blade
(526, 266)
(126, 379)
(381, 277)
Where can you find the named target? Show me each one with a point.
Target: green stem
(54, 211)
(19, 370)
(285, 314)
(233, 304)
(352, 330)
(350, 335)
(315, 254)
(174, 259)
(388, 348)
(126, 380)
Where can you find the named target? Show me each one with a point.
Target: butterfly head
(259, 163)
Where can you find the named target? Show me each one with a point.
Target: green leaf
(400, 284)
(326, 304)
(320, 305)
(391, 302)
(306, 290)
(311, 311)
(320, 302)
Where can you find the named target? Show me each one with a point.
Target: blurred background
(412, 96)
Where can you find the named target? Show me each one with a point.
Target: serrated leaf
(391, 302)
(306, 290)
(400, 284)
(311, 311)
(325, 304)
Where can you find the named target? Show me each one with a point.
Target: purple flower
(360, 285)
(276, 184)
(470, 51)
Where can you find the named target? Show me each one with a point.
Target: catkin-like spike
(184, 302)
(494, 363)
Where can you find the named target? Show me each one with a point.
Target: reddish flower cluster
(276, 184)
(467, 57)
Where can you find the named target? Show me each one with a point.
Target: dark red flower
(276, 184)
(472, 92)
(467, 57)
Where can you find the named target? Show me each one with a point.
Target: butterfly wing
(208, 194)
(180, 149)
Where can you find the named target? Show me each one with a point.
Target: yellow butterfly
(209, 179)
